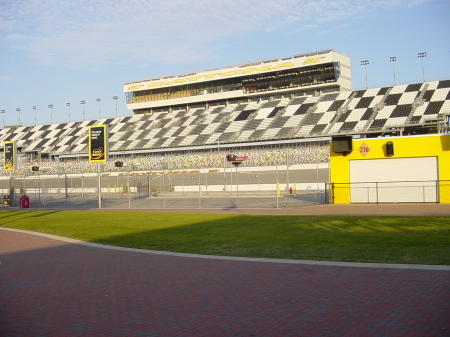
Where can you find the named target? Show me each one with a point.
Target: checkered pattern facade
(331, 114)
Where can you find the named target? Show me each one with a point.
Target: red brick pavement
(50, 287)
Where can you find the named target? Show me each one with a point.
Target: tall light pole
(50, 106)
(116, 98)
(99, 100)
(365, 63)
(18, 112)
(422, 56)
(3, 114)
(68, 105)
(34, 109)
(84, 104)
(393, 59)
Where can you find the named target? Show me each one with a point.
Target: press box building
(314, 73)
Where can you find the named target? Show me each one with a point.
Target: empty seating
(345, 112)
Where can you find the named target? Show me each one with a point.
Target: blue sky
(58, 51)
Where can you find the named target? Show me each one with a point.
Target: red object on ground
(24, 202)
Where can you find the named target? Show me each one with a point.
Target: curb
(232, 258)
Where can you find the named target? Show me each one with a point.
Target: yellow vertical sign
(98, 143)
(9, 156)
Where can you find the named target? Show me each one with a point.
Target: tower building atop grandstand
(301, 75)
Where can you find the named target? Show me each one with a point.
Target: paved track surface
(57, 287)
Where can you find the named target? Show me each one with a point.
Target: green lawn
(389, 239)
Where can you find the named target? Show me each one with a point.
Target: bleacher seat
(330, 114)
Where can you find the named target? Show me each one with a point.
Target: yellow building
(390, 170)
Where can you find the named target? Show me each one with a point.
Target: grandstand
(275, 104)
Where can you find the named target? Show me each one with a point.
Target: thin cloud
(93, 34)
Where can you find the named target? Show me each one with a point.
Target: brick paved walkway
(51, 287)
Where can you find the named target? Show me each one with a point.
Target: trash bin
(6, 199)
(24, 201)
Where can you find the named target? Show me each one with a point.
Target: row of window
(264, 82)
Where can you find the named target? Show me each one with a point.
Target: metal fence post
(128, 185)
(199, 191)
(237, 188)
(43, 190)
(66, 191)
(277, 184)
(287, 172)
(332, 193)
(162, 187)
(376, 184)
(39, 189)
(437, 191)
(182, 183)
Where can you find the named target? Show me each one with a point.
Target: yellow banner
(229, 73)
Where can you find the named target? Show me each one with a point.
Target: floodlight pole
(422, 56)
(393, 59)
(365, 63)
(99, 115)
(116, 98)
(18, 111)
(84, 110)
(68, 105)
(50, 106)
(3, 115)
(34, 108)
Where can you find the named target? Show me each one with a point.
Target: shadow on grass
(329, 240)
(20, 214)
(420, 240)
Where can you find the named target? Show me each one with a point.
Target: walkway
(53, 287)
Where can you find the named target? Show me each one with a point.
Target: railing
(429, 191)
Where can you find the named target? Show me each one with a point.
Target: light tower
(365, 63)
(84, 111)
(68, 105)
(50, 106)
(393, 59)
(34, 109)
(422, 56)
(18, 112)
(3, 114)
(99, 115)
(116, 98)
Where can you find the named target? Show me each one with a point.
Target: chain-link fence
(232, 187)
(430, 191)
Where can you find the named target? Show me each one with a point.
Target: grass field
(387, 239)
